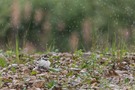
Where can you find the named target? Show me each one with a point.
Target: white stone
(14, 65)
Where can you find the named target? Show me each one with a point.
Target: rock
(14, 65)
(38, 83)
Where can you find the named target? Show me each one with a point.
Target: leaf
(51, 84)
(33, 72)
(54, 69)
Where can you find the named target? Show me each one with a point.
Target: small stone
(14, 65)
(64, 72)
(38, 83)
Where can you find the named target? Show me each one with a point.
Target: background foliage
(66, 24)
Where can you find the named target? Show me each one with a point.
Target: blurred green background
(67, 25)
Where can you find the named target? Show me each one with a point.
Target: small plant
(51, 47)
(3, 62)
(13, 69)
(17, 49)
(51, 84)
(93, 61)
(78, 53)
(33, 72)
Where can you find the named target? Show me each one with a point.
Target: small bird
(43, 62)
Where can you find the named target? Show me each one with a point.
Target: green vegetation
(69, 24)
(17, 50)
(3, 62)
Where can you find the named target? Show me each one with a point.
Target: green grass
(3, 62)
(17, 50)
